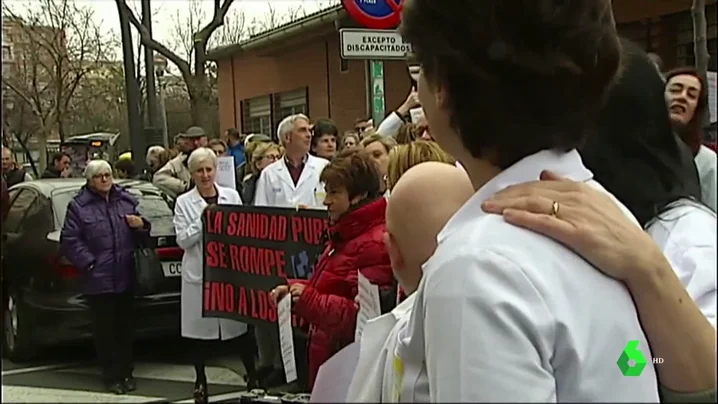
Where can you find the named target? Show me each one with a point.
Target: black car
(42, 300)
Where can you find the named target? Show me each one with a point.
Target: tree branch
(147, 41)
(217, 21)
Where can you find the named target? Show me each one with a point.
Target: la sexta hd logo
(632, 362)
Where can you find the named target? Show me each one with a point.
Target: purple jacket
(97, 240)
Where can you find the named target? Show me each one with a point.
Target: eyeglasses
(102, 176)
(271, 157)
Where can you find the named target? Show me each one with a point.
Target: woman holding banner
(205, 333)
(356, 209)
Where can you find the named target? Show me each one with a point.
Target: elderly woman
(379, 147)
(101, 230)
(204, 332)
(263, 154)
(356, 211)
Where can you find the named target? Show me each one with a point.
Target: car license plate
(172, 269)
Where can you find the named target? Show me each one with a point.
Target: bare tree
(193, 72)
(700, 45)
(57, 46)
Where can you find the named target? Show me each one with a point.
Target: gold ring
(554, 209)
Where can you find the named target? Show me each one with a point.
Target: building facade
(297, 67)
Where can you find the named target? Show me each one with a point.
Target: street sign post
(377, 91)
(374, 45)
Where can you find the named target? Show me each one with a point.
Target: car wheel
(17, 340)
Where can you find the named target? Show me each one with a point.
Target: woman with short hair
(205, 332)
(263, 154)
(218, 147)
(356, 210)
(350, 140)
(101, 231)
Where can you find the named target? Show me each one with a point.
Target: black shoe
(116, 387)
(130, 384)
(200, 394)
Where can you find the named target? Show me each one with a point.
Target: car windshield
(152, 205)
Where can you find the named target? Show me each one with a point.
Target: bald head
(421, 203)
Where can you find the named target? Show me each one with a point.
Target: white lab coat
(188, 228)
(506, 314)
(276, 188)
(686, 233)
(371, 384)
(708, 172)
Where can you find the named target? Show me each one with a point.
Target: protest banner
(249, 250)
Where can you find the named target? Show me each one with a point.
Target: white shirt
(706, 163)
(275, 186)
(687, 235)
(506, 314)
(374, 378)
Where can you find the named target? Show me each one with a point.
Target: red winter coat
(327, 302)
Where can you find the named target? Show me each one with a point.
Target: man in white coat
(502, 313)
(293, 181)
(423, 199)
(290, 182)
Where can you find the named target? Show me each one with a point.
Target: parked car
(42, 300)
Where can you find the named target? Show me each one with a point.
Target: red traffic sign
(375, 14)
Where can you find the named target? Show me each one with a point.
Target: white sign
(226, 172)
(373, 44)
(369, 304)
(286, 337)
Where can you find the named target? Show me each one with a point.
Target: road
(162, 370)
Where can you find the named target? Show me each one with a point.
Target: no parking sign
(375, 14)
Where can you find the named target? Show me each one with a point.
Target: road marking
(21, 394)
(34, 369)
(171, 372)
(214, 399)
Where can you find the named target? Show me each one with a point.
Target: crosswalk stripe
(23, 394)
(170, 372)
(57, 366)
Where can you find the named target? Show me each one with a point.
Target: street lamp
(160, 68)
(160, 65)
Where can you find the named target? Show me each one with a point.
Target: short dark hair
(57, 156)
(126, 166)
(634, 152)
(233, 133)
(355, 171)
(323, 127)
(521, 76)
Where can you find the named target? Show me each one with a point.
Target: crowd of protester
(517, 250)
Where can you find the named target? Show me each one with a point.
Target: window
(257, 115)
(685, 51)
(6, 52)
(292, 102)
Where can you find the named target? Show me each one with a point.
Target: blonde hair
(388, 142)
(408, 133)
(258, 152)
(405, 156)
